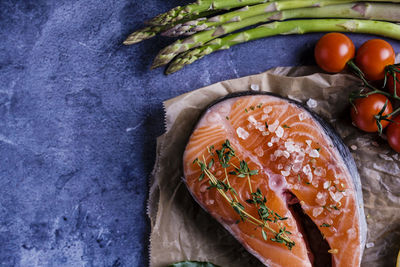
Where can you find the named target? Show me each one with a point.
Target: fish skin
(341, 148)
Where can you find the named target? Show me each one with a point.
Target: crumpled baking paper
(181, 230)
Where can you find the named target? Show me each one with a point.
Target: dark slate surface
(79, 116)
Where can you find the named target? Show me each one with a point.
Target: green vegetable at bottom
(381, 28)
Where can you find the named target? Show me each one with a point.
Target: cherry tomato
(390, 83)
(333, 51)
(372, 58)
(393, 134)
(365, 110)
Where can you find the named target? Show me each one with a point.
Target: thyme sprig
(224, 188)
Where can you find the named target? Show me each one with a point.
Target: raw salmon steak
(279, 179)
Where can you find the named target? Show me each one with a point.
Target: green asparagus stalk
(381, 28)
(143, 34)
(199, 39)
(181, 12)
(201, 24)
(151, 31)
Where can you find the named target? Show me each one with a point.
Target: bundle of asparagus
(211, 28)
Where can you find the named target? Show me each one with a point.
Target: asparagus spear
(151, 31)
(143, 34)
(198, 39)
(181, 12)
(387, 29)
(200, 24)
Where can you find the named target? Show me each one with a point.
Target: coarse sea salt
(317, 211)
(321, 198)
(314, 153)
(370, 245)
(251, 119)
(272, 128)
(242, 133)
(255, 87)
(285, 173)
(337, 196)
(307, 171)
(311, 103)
(302, 116)
(279, 131)
(267, 110)
(259, 151)
(308, 142)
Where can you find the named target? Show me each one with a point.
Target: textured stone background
(79, 116)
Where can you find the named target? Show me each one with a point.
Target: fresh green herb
(338, 188)
(246, 110)
(285, 126)
(244, 170)
(227, 118)
(265, 214)
(325, 225)
(266, 125)
(259, 105)
(252, 107)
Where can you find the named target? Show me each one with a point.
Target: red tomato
(333, 51)
(372, 58)
(390, 83)
(363, 115)
(393, 134)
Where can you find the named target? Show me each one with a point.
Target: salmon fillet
(279, 180)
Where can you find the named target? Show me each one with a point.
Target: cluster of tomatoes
(372, 109)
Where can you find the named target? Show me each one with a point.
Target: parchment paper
(181, 230)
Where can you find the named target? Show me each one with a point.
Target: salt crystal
(289, 145)
(314, 153)
(296, 167)
(299, 158)
(311, 103)
(267, 110)
(210, 201)
(255, 87)
(275, 139)
(315, 184)
(279, 131)
(319, 171)
(302, 116)
(203, 188)
(308, 142)
(285, 173)
(259, 151)
(278, 153)
(269, 144)
(265, 133)
(252, 120)
(260, 126)
(336, 196)
(317, 211)
(287, 168)
(286, 154)
(273, 126)
(353, 147)
(264, 117)
(327, 184)
(250, 126)
(396, 156)
(351, 233)
(370, 245)
(280, 166)
(307, 171)
(321, 198)
(242, 133)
